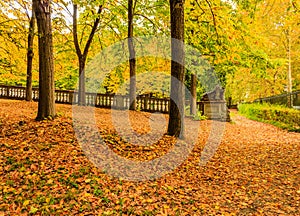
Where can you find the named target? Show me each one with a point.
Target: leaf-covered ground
(255, 171)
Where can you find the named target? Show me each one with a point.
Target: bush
(199, 116)
(277, 115)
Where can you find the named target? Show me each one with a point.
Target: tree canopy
(251, 45)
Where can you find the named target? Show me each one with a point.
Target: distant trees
(266, 56)
(46, 105)
(14, 22)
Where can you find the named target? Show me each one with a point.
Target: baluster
(160, 106)
(57, 96)
(97, 100)
(7, 91)
(166, 106)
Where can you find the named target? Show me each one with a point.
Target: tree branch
(96, 23)
(75, 34)
(213, 17)
(142, 15)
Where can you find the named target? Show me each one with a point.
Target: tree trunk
(290, 84)
(176, 114)
(82, 56)
(193, 100)
(132, 61)
(81, 92)
(46, 105)
(30, 55)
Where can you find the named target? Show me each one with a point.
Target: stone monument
(214, 105)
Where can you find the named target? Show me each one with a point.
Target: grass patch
(279, 116)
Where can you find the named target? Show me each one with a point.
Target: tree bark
(290, 84)
(81, 91)
(46, 105)
(82, 56)
(176, 113)
(30, 56)
(193, 100)
(132, 60)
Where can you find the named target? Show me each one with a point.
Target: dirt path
(253, 131)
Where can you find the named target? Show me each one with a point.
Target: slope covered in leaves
(255, 170)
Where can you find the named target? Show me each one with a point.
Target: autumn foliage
(255, 170)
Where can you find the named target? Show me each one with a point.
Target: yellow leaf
(149, 200)
(88, 180)
(33, 210)
(87, 195)
(170, 188)
(26, 202)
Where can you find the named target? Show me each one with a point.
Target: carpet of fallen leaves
(255, 171)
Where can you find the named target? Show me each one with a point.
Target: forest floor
(255, 170)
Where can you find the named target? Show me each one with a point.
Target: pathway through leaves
(255, 170)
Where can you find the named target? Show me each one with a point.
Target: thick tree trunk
(132, 61)
(30, 55)
(46, 106)
(176, 114)
(193, 100)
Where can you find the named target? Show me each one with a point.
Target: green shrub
(277, 115)
(199, 116)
